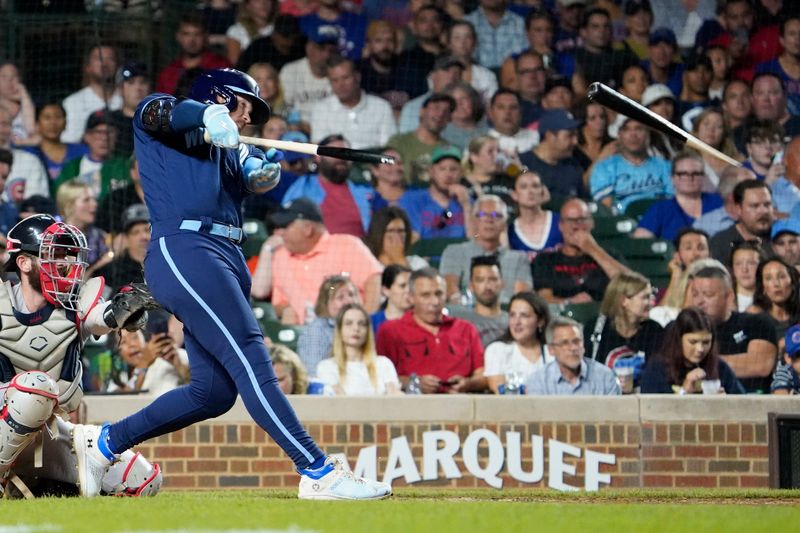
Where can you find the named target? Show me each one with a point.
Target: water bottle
(514, 383)
(412, 387)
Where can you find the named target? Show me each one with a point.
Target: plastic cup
(711, 386)
(316, 387)
(625, 378)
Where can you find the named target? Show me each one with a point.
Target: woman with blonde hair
(269, 86)
(289, 370)
(623, 334)
(254, 19)
(77, 206)
(484, 172)
(355, 368)
(709, 126)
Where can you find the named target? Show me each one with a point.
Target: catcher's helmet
(219, 86)
(62, 251)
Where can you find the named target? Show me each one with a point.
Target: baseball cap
(38, 204)
(131, 70)
(325, 34)
(134, 214)
(97, 118)
(440, 97)
(443, 152)
(662, 35)
(786, 225)
(696, 60)
(793, 341)
(444, 62)
(300, 209)
(556, 81)
(634, 6)
(656, 92)
(557, 120)
(286, 25)
(298, 137)
(618, 124)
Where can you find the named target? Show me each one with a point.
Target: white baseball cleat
(335, 482)
(92, 464)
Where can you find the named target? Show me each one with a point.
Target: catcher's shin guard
(29, 401)
(132, 475)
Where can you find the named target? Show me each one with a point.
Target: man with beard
(752, 201)
(193, 42)
(486, 284)
(345, 205)
(379, 72)
(415, 63)
(99, 69)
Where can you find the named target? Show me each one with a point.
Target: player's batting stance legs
(194, 192)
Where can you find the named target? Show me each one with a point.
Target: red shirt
(169, 77)
(455, 350)
(339, 209)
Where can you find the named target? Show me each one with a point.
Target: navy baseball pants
(203, 280)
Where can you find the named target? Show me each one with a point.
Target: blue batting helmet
(220, 86)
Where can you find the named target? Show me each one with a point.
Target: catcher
(44, 320)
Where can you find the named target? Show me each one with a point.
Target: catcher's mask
(62, 251)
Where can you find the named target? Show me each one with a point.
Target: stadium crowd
(526, 241)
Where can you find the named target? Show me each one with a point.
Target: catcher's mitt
(128, 308)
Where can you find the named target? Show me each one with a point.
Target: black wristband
(109, 319)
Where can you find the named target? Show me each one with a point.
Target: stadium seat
(431, 249)
(614, 227)
(281, 333)
(264, 311)
(654, 269)
(555, 203)
(256, 233)
(637, 208)
(600, 210)
(582, 313)
(647, 249)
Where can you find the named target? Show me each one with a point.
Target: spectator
(530, 75)
(354, 368)
(786, 379)
(443, 353)
(194, 54)
(787, 65)
(691, 246)
(365, 120)
(289, 370)
(570, 373)
(254, 18)
(305, 80)
(638, 21)
(500, 32)
(419, 60)
(27, 171)
(275, 128)
(534, 229)
(633, 82)
(769, 103)
(112, 206)
(659, 99)
(14, 97)
(417, 147)
(786, 240)
(99, 91)
(467, 120)
(693, 97)
(688, 359)
(579, 271)
(483, 172)
(505, 116)
(8, 211)
(394, 289)
(632, 174)
(521, 351)
(623, 335)
(446, 70)
(763, 141)
(98, 169)
(745, 258)
(776, 295)
(308, 254)
(753, 209)
(485, 285)
(316, 339)
(441, 210)
(134, 86)
(389, 239)
(723, 217)
(746, 342)
(786, 187)
(128, 266)
(539, 32)
(285, 44)
(269, 86)
(569, 14)
(721, 63)
(491, 223)
(379, 71)
(461, 40)
(737, 105)
(709, 127)
(553, 159)
(660, 65)
(592, 135)
(665, 218)
(51, 119)
(351, 27)
(388, 181)
(77, 206)
(147, 368)
(683, 18)
(345, 205)
(558, 94)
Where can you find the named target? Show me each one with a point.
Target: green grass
(415, 510)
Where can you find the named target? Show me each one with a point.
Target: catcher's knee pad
(132, 475)
(30, 399)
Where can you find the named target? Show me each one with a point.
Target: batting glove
(263, 175)
(220, 127)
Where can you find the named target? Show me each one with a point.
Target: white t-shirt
(301, 89)
(238, 33)
(484, 81)
(79, 105)
(522, 141)
(503, 357)
(357, 381)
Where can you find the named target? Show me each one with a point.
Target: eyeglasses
(491, 214)
(444, 219)
(577, 341)
(693, 175)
